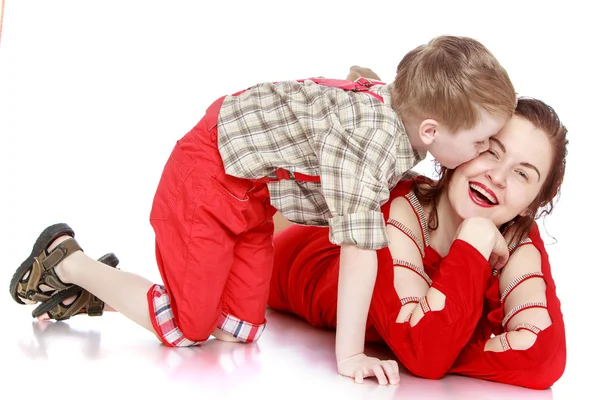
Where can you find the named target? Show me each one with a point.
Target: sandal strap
(84, 303)
(33, 280)
(42, 271)
(58, 254)
(61, 312)
(39, 297)
(95, 306)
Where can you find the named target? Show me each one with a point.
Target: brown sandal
(40, 264)
(84, 302)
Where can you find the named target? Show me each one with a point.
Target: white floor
(109, 356)
(93, 96)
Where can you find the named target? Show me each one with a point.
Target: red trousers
(214, 236)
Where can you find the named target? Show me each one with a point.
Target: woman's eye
(493, 153)
(522, 175)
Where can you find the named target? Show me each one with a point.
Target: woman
(437, 303)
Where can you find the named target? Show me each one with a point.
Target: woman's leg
(305, 275)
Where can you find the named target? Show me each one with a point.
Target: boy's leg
(197, 215)
(195, 240)
(247, 287)
(123, 291)
(126, 292)
(194, 255)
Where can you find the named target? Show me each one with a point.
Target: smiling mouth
(481, 195)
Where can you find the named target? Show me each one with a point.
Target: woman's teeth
(482, 193)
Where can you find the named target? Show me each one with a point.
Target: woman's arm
(426, 320)
(523, 296)
(531, 350)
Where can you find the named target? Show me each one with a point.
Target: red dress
(451, 340)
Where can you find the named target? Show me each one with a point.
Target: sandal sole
(46, 238)
(109, 259)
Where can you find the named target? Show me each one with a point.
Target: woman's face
(502, 182)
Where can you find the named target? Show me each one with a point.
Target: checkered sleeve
(355, 168)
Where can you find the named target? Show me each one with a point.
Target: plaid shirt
(354, 142)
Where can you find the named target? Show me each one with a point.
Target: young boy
(322, 152)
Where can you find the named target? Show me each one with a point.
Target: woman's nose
(497, 176)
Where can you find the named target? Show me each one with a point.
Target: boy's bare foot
(360, 72)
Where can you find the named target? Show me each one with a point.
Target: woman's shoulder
(535, 242)
(405, 212)
(403, 196)
(408, 183)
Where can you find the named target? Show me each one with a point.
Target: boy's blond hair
(447, 79)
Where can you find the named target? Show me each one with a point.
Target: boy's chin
(450, 164)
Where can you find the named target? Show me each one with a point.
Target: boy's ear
(428, 131)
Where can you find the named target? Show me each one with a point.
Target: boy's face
(454, 148)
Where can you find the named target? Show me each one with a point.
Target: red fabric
(170, 335)
(537, 367)
(451, 340)
(213, 236)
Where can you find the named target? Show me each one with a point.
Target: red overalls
(214, 239)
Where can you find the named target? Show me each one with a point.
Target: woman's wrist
(478, 233)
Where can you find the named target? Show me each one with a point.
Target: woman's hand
(483, 235)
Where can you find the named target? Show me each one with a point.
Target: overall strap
(360, 85)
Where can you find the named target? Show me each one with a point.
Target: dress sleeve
(429, 348)
(538, 367)
(528, 347)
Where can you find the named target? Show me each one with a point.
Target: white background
(94, 94)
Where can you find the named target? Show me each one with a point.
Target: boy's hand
(360, 366)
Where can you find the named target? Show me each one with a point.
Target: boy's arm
(356, 168)
(358, 270)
